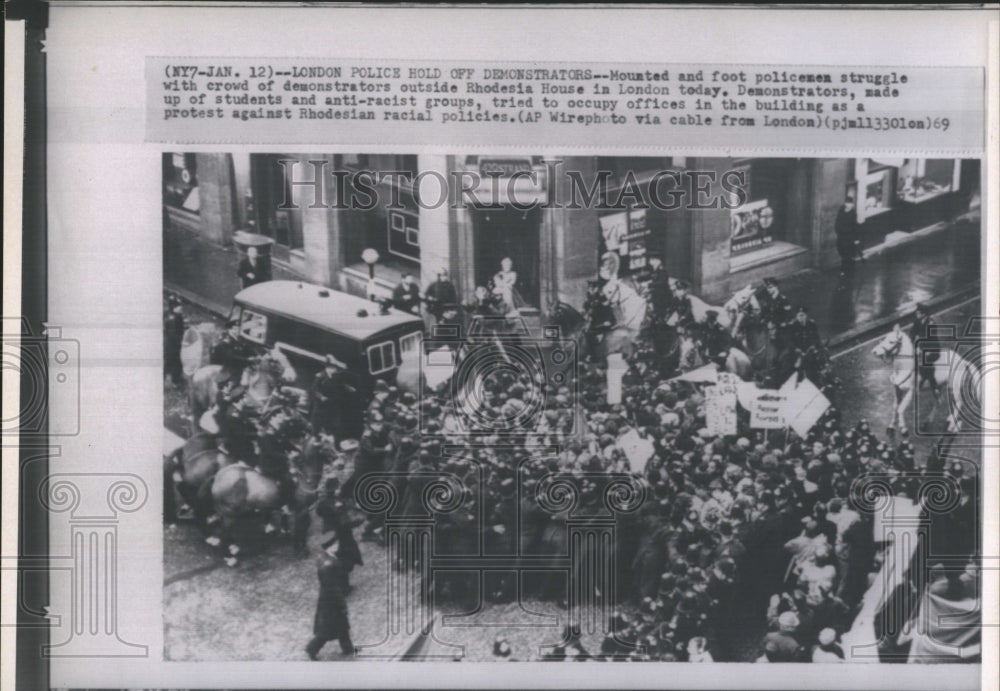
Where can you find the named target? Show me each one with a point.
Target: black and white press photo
(490, 408)
(643, 337)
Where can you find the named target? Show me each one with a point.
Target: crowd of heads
(701, 559)
(712, 536)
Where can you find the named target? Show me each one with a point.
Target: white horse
(628, 305)
(736, 307)
(957, 375)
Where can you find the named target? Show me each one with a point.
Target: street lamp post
(370, 257)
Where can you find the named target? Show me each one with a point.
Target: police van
(307, 322)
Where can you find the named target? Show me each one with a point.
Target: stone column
(320, 227)
(435, 230)
(215, 194)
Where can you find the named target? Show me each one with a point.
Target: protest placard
(637, 449)
(767, 410)
(720, 405)
(804, 404)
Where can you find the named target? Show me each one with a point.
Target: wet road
(927, 267)
(866, 393)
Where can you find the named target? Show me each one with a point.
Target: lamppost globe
(370, 257)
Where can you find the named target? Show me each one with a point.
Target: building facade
(553, 219)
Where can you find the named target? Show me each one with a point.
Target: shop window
(921, 179)
(876, 180)
(180, 182)
(271, 189)
(763, 219)
(876, 195)
(391, 227)
(627, 233)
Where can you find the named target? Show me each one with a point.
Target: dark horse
(190, 470)
(245, 498)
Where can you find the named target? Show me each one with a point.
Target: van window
(381, 357)
(410, 343)
(253, 326)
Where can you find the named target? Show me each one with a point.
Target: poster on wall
(627, 234)
(751, 226)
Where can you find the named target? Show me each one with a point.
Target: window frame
(243, 320)
(381, 346)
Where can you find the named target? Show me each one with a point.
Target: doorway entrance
(513, 233)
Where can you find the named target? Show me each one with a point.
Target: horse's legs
(230, 540)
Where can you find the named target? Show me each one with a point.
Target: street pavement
(866, 394)
(263, 609)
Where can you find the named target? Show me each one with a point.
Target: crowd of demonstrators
(703, 559)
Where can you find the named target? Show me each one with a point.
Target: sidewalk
(932, 268)
(204, 273)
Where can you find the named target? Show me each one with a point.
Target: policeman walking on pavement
(848, 232)
(173, 336)
(331, 621)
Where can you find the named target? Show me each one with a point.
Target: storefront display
(876, 194)
(180, 182)
(762, 221)
(922, 179)
(627, 233)
(751, 226)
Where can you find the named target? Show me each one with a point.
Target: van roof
(338, 312)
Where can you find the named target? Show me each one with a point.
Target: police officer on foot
(440, 294)
(848, 232)
(774, 306)
(331, 621)
(252, 269)
(406, 295)
(329, 398)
